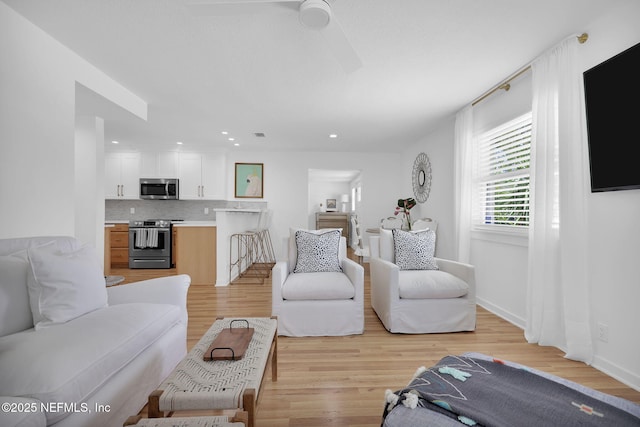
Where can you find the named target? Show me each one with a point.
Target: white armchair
(391, 222)
(421, 301)
(424, 223)
(318, 303)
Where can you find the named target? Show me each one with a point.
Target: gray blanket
(488, 393)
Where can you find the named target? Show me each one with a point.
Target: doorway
(344, 187)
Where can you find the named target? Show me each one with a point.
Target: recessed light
(224, 132)
(236, 144)
(232, 139)
(179, 142)
(115, 142)
(333, 135)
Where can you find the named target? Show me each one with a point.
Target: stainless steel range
(150, 244)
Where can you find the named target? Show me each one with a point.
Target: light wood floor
(340, 381)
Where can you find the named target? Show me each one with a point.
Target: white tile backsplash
(188, 210)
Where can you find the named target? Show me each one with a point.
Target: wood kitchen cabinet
(107, 249)
(333, 220)
(119, 238)
(196, 253)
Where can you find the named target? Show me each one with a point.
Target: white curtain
(463, 152)
(558, 307)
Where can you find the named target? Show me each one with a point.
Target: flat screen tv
(612, 99)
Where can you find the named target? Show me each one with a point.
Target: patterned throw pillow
(317, 252)
(414, 250)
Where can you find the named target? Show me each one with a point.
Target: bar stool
(254, 256)
(264, 246)
(243, 257)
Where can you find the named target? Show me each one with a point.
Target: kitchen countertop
(238, 210)
(110, 223)
(194, 224)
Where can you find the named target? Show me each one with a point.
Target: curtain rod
(505, 84)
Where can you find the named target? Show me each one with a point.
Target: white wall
(89, 184)
(38, 78)
(614, 226)
(36, 132)
(286, 184)
(438, 146)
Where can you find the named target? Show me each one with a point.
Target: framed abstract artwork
(249, 180)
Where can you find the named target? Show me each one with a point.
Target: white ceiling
(243, 73)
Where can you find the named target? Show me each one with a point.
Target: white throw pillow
(15, 312)
(317, 252)
(64, 285)
(414, 250)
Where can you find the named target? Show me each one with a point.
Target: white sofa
(318, 303)
(442, 300)
(95, 369)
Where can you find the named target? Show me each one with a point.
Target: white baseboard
(506, 315)
(614, 371)
(603, 365)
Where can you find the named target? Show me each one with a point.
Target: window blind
(502, 175)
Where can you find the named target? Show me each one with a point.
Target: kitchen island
(195, 250)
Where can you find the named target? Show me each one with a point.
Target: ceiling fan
(313, 14)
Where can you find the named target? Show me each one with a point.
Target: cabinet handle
(202, 191)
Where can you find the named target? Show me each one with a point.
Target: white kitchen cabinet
(190, 174)
(122, 175)
(202, 176)
(214, 174)
(162, 164)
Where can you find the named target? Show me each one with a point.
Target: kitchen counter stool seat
(251, 252)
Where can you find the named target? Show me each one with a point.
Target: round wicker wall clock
(421, 177)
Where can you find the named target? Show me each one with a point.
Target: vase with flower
(404, 206)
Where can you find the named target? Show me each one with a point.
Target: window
(502, 175)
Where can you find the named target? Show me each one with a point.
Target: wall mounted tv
(612, 99)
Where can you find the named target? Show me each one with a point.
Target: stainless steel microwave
(159, 188)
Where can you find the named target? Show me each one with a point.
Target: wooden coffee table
(237, 420)
(196, 384)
